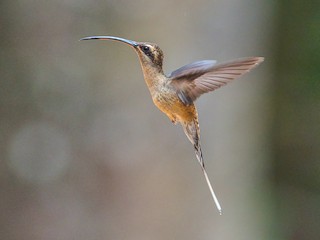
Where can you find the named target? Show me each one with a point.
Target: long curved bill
(130, 42)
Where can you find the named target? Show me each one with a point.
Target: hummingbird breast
(167, 101)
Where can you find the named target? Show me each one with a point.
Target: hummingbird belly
(176, 110)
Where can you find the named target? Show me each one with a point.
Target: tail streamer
(191, 129)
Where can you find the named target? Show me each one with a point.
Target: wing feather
(201, 77)
(193, 69)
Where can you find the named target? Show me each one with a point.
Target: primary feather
(195, 79)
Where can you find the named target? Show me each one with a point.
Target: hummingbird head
(150, 54)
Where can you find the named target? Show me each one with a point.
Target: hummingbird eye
(146, 50)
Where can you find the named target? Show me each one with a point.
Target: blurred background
(84, 154)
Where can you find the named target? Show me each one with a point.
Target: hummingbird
(175, 94)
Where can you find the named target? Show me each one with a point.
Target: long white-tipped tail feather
(201, 162)
(215, 199)
(192, 131)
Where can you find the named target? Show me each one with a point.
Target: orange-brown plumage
(175, 94)
(172, 106)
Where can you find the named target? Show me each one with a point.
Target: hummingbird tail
(214, 197)
(192, 130)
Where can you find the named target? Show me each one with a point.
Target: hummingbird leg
(172, 118)
(174, 121)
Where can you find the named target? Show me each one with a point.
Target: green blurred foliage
(297, 118)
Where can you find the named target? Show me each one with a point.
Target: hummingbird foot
(174, 121)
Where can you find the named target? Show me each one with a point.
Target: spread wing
(192, 80)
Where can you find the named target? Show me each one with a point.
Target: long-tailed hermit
(174, 94)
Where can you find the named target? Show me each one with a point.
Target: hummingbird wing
(192, 80)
